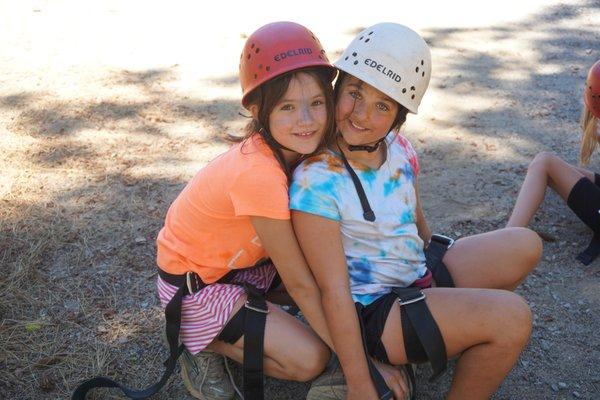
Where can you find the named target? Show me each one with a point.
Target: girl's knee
(543, 160)
(311, 363)
(517, 320)
(530, 244)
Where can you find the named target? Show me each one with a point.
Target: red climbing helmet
(275, 49)
(591, 95)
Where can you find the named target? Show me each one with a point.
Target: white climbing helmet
(393, 59)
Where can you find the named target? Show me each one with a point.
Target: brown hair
(589, 140)
(266, 97)
(401, 114)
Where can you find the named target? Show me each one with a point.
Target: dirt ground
(105, 115)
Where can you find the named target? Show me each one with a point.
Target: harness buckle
(443, 239)
(188, 280)
(413, 299)
(253, 308)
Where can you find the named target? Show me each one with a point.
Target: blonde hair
(589, 139)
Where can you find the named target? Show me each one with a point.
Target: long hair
(401, 113)
(268, 95)
(589, 140)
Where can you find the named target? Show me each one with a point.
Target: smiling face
(299, 119)
(363, 114)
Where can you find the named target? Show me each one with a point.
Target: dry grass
(85, 187)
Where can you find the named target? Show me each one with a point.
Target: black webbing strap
(173, 325)
(412, 300)
(254, 334)
(368, 213)
(434, 253)
(383, 391)
(591, 252)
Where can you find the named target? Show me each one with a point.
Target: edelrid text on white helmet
(393, 59)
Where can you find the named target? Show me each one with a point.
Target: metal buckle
(448, 241)
(260, 310)
(413, 300)
(188, 281)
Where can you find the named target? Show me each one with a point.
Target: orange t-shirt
(207, 229)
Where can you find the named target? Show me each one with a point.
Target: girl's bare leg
(292, 350)
(500, 259)
(489, 327)
(545, 170)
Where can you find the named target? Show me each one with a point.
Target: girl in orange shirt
(228, 237)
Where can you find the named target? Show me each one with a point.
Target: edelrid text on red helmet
(591, 94)
(275, 49)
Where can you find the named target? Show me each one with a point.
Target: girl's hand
(395, 378)
(362, 392)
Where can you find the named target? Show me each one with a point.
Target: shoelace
(221, 361)
(239, 393)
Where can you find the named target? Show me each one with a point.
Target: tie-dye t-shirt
(382, 254)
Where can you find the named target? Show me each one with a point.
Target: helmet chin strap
(367, 148)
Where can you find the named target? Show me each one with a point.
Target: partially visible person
(578, 187)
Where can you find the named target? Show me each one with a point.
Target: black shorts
(374, 317)
(376, 314)
(584, 200)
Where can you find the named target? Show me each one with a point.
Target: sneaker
(205, 377)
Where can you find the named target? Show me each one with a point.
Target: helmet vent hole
(268, 68)
(355, 62)
(361, 38)
(346, 59)
(259, 66)
(249, 56)
(354, 54)
(404, 90)
(412, 88)
(423, 73)
(252, 46)
(367, 40)
(421, 62)
(370, 33)
(257, 50)
(417, 69)
(255, 76)
(412, 97)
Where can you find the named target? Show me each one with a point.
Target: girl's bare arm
(422, 227)
(321, 243)
(279, 241)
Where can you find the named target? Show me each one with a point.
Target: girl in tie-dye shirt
(381, 254)
(358, 218)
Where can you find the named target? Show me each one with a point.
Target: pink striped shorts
(204, 313)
